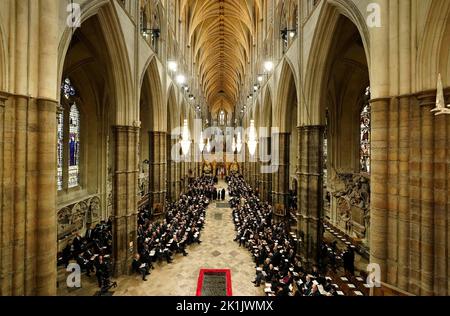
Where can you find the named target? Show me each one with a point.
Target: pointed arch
(152, 92)
(433, 50)
(287, 96)
(120, 70)
(3, 61)
(317, 62)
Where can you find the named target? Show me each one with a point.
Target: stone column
(310, 192)
(403, 191)
(125, 198)
(45, 226)
(280, 178)
(246, 165)
(45, 181)
(265, 186)
(392, 182)
(182, 165)
(265, 177)
(172, 180)
(6, 208)
(20, 199)
(254, 171)
(427, 103)
(379, 190)
(158, 172)
(441, 204)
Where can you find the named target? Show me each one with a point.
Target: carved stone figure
(353, 198)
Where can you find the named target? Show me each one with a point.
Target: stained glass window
(68, 134)
(74, 146)
(60, 146)
(365, 124)
(67, 89)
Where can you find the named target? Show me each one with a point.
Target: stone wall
(74, 218)
(349, 209)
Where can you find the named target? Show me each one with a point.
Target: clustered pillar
(310, 193)
(125, 197)
(409, 210)
(265, 174)
(254, 170)
(28, 156)
(158, 163)
(173, 181)
(280, 176)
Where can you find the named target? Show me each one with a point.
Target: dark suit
(137, 267)
(89, 235)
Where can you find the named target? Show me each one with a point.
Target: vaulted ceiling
(221, 37)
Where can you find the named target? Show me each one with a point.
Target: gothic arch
(317, 62)
(120, 71)
(3, 62)
(433, 50)
(152, 88)
(287, 96)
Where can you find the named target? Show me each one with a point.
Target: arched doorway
(348, 120)
(146, 113)
(335, 94)
(95, 56)
(154, 137)
(286, 139)
(173, 167)
(86, 145)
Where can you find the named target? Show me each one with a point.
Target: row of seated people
(92, 252)
(272, 246)
(181, 227)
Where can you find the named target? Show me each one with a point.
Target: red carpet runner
(214, 282)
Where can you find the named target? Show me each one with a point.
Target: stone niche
(350, 205)
(74, 218)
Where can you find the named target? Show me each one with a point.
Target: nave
(110, 107)
(217, 251)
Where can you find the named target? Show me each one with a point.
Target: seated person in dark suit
(140, 267)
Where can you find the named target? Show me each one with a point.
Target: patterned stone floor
(217, 251)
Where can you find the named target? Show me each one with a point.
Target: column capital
(281, 133)
(157, 133)
(310, 127)
(126, 128)
(3, 97)
(427, 98)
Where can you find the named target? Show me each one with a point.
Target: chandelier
(239, 143)
(233, 145)
(185, 141)
(252, 139)
(208, 146)
(201, 143)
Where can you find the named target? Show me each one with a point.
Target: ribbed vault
(220, 35)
